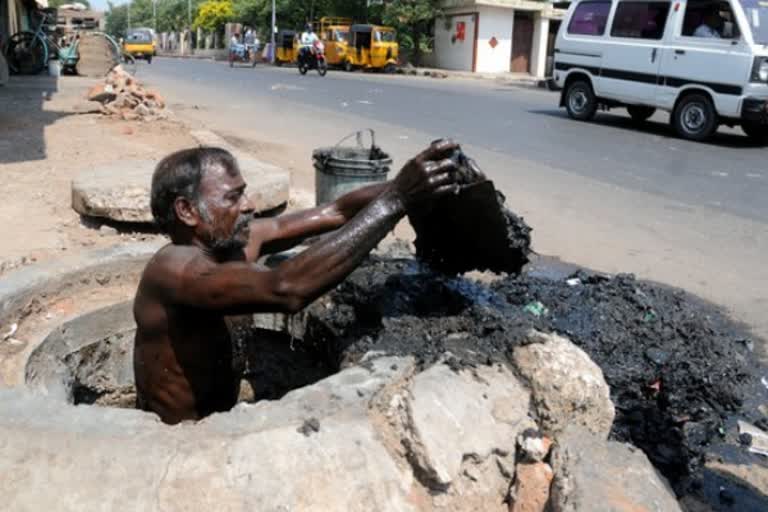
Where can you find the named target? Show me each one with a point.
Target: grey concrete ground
(607, 194)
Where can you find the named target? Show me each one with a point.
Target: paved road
(606, 194)
(728, 174)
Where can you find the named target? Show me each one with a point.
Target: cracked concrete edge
(57, 277)
(46, 371)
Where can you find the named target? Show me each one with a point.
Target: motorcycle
(313, 58)
(243, 53)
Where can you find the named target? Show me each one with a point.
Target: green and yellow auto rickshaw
(372, 47)
(287, 47)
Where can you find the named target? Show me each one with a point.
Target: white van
(704, 61)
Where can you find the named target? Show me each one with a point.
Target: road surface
(608, 194)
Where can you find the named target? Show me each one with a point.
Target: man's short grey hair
(179, 175)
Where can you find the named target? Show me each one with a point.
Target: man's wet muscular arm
(269, 236)
(238, 287)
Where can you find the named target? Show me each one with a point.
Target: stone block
(605, 476)
(120, 191)
(567, 386)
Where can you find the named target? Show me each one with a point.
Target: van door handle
(653, 55)
(679, 52)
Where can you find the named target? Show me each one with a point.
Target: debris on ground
(121, 95)
(755, 439)
(674, 378)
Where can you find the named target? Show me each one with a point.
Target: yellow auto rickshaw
(334, 32)
(287, 47)
(372, 47)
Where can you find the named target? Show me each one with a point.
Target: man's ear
(186, 212)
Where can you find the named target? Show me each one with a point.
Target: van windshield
(756, 12)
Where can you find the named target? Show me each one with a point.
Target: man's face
(225, 211)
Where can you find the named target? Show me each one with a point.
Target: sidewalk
(510, 79)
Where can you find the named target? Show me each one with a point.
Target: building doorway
(522, 42)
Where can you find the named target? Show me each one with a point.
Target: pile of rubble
(121, 95)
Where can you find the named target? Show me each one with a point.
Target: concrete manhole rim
(28, 293)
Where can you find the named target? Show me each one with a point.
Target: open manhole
(89, 360)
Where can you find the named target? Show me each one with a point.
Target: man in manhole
(183, 351)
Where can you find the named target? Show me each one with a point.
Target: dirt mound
(677, 366)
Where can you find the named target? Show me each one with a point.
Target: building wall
(539, 51)
(495, 23)
(451, 52)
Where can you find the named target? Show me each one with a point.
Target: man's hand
(430, 174)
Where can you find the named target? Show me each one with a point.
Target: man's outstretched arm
(239, 287)
(277, 234)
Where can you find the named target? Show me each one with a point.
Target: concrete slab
(121, 191)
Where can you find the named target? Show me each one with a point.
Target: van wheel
(580, 101)
(695, 118)
(640, 114)
(757, 132)
(348, 66)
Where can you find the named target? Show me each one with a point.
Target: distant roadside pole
(3, 70)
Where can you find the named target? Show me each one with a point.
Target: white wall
(450, 53)
(498, 23)
(539, 51)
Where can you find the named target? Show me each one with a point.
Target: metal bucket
(339, 170)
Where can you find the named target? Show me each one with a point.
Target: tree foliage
(172, 15)
(213, 14)
(413, 19)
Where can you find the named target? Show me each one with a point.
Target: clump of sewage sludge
(471, 229)
(677, 367)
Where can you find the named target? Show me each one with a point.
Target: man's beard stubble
(228, 246)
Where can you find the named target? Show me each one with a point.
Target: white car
(704, 61)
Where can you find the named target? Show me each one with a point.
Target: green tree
(294, 14)
(213, 14)
(414, 21)
(172, 15)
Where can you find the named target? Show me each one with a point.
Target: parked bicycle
(28, 52)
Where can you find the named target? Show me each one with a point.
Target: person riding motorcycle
(310, 43)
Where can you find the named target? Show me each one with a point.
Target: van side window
(590, 18)
(710, 19)
(640, 20)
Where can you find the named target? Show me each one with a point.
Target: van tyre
(580, 101)
(640, 114)
(348, 66)
(757, 132)
(695, 117)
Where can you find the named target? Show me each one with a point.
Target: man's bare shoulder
(172, 264)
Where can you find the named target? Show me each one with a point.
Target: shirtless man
(183, 354)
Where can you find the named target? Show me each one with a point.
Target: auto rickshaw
(287, 47)
(334, 32)
(140, 44)
(372, 47)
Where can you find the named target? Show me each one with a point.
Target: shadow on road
(23, 117)
(727, 140)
